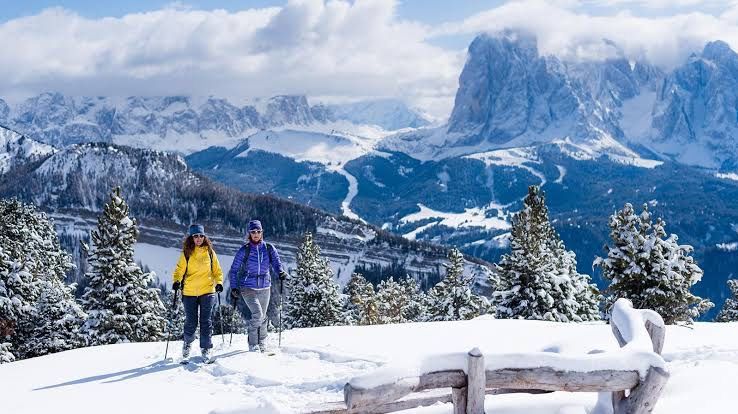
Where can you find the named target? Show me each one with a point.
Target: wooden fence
(640, 334)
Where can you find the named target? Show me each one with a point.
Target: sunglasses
(255, 232)
(198, 236)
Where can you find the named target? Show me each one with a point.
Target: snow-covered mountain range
(185, 124)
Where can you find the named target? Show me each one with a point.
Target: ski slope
(314, 364)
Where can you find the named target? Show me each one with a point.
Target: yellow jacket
(200, 280)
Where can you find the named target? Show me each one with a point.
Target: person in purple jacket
(251, 280)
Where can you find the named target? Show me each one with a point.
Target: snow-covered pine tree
(535, 278)
(58, 320)
(651, 270)
(8, 314)
(414, 310)
(729, 313)
(121, 305)
(452, 298)
(392, 300)
(313, 297)
(586, 296)
(362, 306)
(5, 354)
(32, 269)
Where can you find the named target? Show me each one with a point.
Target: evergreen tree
(538, 278)
(729, 313)
(392, 301)
(452, 298)
(6, 324)
(58, 320)
(5, 354)
(414, 310)
(120, 304)
(362, 306)
(313, 297)
(651, 270)
(587, 298)
(32, 271)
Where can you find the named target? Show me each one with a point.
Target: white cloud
(337, 48)
(569, 32)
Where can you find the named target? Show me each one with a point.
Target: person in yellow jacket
(199, 275)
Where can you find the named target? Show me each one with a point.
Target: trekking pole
(233, 323)
(171, 322)
(281, 287)
(220, 313)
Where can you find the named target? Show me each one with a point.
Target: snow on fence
(635, 374)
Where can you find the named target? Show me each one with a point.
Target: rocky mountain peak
(719, 51)
(695, 118)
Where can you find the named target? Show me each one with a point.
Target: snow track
(282, 382)
(353, 190)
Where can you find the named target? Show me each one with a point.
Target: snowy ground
(314, 364)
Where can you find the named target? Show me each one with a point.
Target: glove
(175, 286)
(282, 275)
(235, 293)
(218, 288)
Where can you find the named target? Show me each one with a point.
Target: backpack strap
(210, 253)
(187, 264)
(245, 259)
(270, 253)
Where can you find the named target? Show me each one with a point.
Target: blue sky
(338, 49)
(427, 11)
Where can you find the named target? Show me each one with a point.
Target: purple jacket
(253, 272)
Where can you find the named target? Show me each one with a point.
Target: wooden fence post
(476, 382)
(458, 399)
(644, 396)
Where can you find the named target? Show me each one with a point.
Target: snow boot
(206, 356)
(265, 349)
(254, 348)
(186, 352)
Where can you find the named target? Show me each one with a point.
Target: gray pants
(258, 301)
